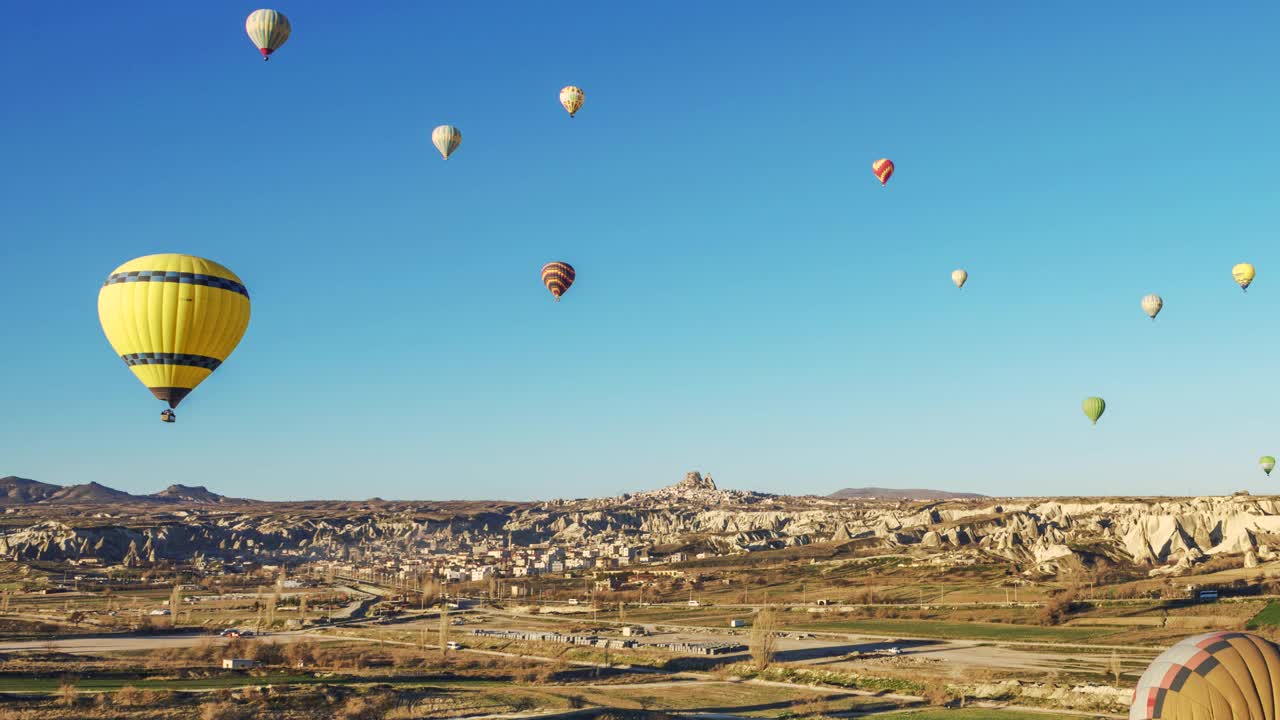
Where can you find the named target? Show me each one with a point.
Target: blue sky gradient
(749, 301)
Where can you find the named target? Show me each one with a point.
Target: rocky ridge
(1168, 535)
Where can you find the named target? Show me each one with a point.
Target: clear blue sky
(749, 301)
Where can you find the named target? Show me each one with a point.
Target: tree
(175, 602)
(764, 642)
(1114, 666)
(76, 617)
(444, 628)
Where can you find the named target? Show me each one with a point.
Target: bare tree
(1114, 667)
(444, 628)
(175, 602)
(764, 642)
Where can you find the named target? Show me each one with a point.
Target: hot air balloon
(883, 168)
(268, 29)
(173, 319)
(959, 277)
(558, 277)
(1151, 305)
(1214, 676)
(1094, 407)
(1267, 463)
(1243, 274)
(571, 97)
(446, 138)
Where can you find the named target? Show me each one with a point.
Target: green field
(961, 631)
(1269, 615)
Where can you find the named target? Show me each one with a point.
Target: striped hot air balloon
(268, 29)
(883, 168)
(446, 138)
(173, 319)
(558, 277)
(571, 97)
(1093, 408)
(1214, 676)
(1243, 275)
(1267, 463)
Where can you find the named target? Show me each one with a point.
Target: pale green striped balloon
(1094, 407)
(1267, 463)
(268, 29)
(446, 138)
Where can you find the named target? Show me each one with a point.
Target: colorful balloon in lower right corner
(1093, 408)
(1213, 676)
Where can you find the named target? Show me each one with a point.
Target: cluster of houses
(702, 648)
(484, 561)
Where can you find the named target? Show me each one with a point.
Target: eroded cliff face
(1167, 534)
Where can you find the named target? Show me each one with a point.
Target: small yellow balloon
(1243, 274)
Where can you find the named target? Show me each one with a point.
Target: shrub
(222, 710)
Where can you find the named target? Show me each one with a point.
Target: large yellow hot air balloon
(268, 29)
(1243, 274)
(173, 319)
(1214, 676)
(446, 138)
(571, 97)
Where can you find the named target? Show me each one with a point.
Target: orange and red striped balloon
(883, 168)
(557, 276)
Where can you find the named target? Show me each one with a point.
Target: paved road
(827, 648)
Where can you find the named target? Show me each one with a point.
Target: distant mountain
(21, 490)
(91, 493)
(869, 493)
(187, 494)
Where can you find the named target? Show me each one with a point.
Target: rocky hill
(1166, 536)
(21, 491)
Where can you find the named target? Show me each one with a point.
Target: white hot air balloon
(446, 138)
(959, 277)
(268, 29)
(1151, 305)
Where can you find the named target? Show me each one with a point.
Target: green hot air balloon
(1267, 463)
(1094, 407)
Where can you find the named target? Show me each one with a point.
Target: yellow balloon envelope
(173, 319)
(1243, 274)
